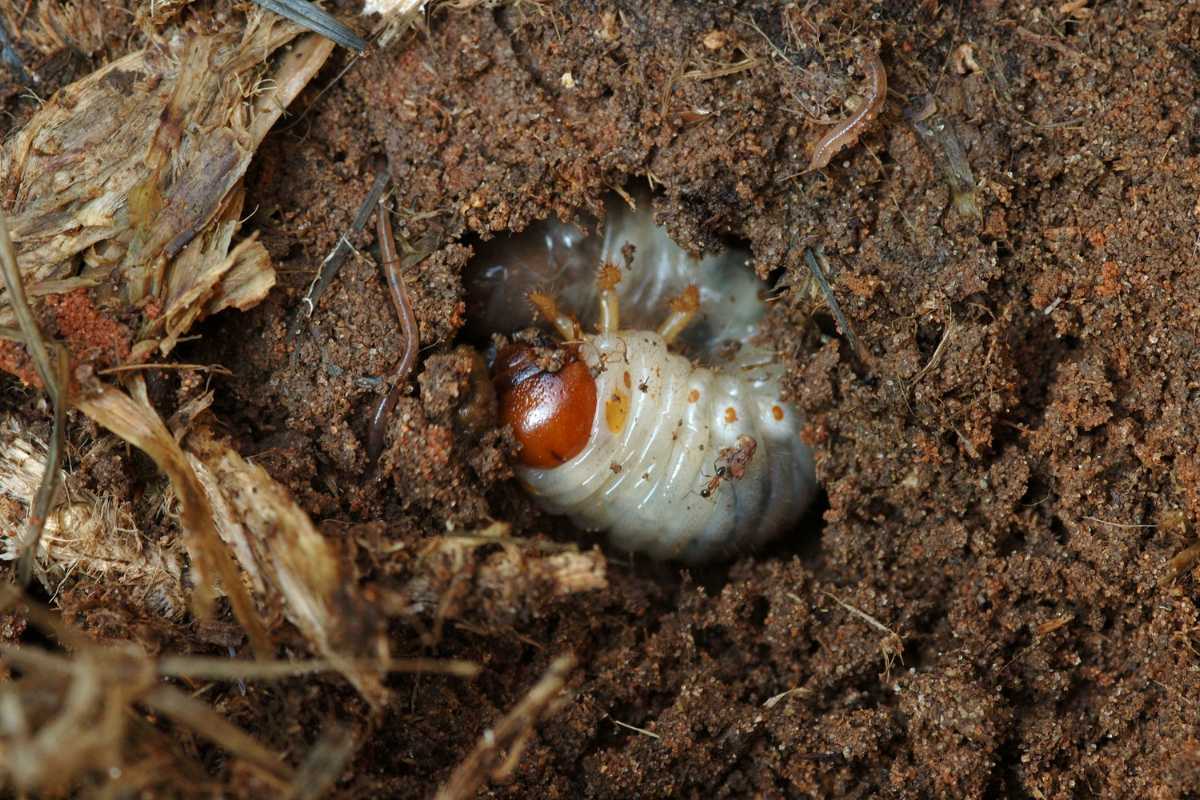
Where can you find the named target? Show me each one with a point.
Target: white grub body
(664, 423)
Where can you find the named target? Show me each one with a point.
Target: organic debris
(96, 718)
(131, 176)
(494, 576)
(311, 17)
(85, 534)
(53, 372)
(288, 560)
(500, 749)
(134, 419)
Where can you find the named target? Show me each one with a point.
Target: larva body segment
(685, 459)
(656, 438)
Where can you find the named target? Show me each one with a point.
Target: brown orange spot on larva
(730, 415)
(777, 413)
(693, 395)
(628, 381)
(616, 411)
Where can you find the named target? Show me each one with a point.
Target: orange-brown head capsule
(550, 412)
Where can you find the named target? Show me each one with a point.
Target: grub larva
(688, 455)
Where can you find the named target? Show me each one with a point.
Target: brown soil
(988, 605)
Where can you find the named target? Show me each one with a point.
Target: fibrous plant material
(397, 15)
(288, 560)
(80, 26)
(81, 721)
(72, 721)
(135, 420)
(85, 534)
(53, 372)
(130, 176)
(460, 573)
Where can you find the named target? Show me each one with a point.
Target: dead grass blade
(136, 421)
(498, 751)
(285, 556)
(185, 710)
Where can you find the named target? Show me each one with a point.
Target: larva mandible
(681, 458)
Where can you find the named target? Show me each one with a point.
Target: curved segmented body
(655, 445)
(682, 460)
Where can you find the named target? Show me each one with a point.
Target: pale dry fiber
(107, 721)
(78, 722)
(129, 181)
(396, 16)
(288, 560)
(131, 176)
(459, 571)
(85, 534)
(51, 27)
(136, 421)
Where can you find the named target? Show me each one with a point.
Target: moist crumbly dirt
(987, 603)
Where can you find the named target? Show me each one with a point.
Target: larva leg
(683, 308)
(566, 325)
(610, 306)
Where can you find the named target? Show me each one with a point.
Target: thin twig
(185, 710)
(224, 669)
(498, 750)
(311, 17)
(214, 368)
(635, 728)
(53, 372)
(722, 71)
(1127, 525)
(938, 351)
(337, 256)
(892, 644)
(814, 266)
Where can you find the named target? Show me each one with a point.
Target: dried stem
(814, 265)
(337, 256)
(224, 669)
(499, 749)
(53, 372)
